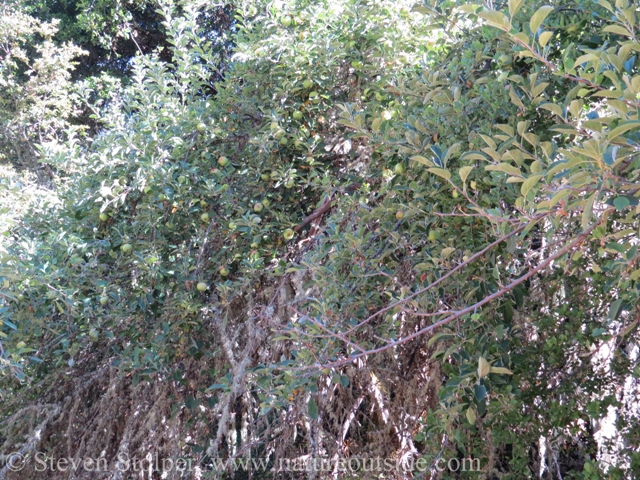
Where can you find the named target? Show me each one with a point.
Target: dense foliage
(378, 229)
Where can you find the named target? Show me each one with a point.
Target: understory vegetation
(320, 230)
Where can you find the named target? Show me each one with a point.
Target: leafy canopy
(425, 215)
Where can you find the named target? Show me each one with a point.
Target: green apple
(104, 217)
(201, 286)
(313, 94)
(265, 176)
(307, 84)
(357, 64)
(288, 234)
(258, 207)
(399, 214)
(223, 161)
(201, 127)
(455, 194)
(286, 21)
(266, 202)
(290, 183)
(254, 245)
(94, 335)
(224, 271)
(104, 299)
(204, 217)
(297, 115)
(182, 179)
(432, 236)
(126, 248)
(283, 141)
(280, 133)
(398, 169)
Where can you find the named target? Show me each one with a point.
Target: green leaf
(606, 4)
(523, 38)
(515, 99)
(617, 29)
(9, 324)
(501, 371)
(588, 209)
(598, 331)
(544, 38)
(471, 416)
(539, 17)
(474, 156)
(614, 309)
(506, 168)
(480, 392)
(312, 408)
(446, 252)
(439, 336)
(483, 367)
(422, 160)
(529, 183)
(496, 19)
(217, 386)
(375, 125)
(621, 203)
(441, 172)
(589, 57)
(514, 6)
(565, 129)
(623, 128)
(8, 294)
(464, 173)
(469, 8)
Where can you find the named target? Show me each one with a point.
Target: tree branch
(577, 241)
